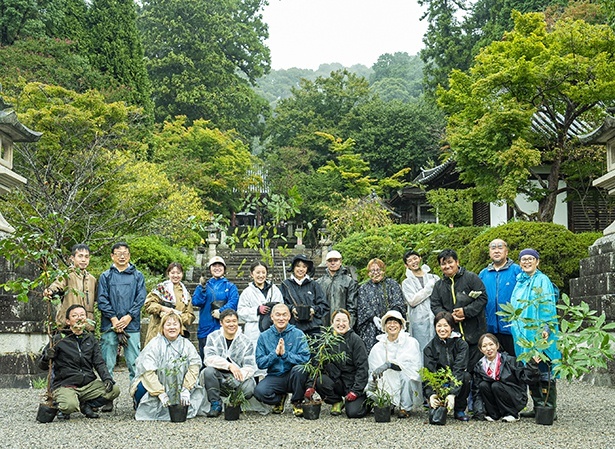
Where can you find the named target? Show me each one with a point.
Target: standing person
(462, 294)
(500, 382)
(170, 296)
(256, 300)
(417, 288)
(75, 355)
(500, 278)
(448, 349)
(229, 362)
(395, 361)
(121, 295)
(281, 350)
(78, 287)
(167, 371)
(537, 296)
(340, 288)
(377, 296)
(304, 297)
(344, 382)
(213, 297)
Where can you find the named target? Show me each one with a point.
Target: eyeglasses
(375, 271)
(497, 245)
(527, 259)
(121, 253)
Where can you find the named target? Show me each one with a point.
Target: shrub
(155, 254)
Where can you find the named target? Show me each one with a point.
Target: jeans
(108, 347)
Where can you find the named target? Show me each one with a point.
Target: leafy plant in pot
(174, 379)
(324, 348)
(442, 382)
(234, 400)
(581, 336)
(27, 246)
(382, 401)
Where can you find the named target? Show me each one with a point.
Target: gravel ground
(584, 421)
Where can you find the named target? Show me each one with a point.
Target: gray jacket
(341, 291)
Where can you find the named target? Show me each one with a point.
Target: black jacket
(76, 358)
(308, 293)
(475, 323)
(440, 353)
(515, 376)
(353, 371)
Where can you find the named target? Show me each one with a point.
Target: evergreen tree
(115, 47)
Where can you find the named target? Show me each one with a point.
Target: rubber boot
(552, 400)
(536, 395)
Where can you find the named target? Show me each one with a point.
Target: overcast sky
(307, 33)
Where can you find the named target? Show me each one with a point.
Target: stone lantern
(21, 335)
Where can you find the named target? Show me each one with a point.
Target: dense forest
(163, 117)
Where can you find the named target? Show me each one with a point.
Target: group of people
(387, 331)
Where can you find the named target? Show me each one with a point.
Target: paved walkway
(586, 420)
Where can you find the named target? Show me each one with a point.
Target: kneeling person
(281, 350)
(229, 362)
(75, 355)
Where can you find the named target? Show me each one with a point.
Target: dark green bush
(560, 249)
(154, 254)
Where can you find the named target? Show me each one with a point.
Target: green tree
(321, 105)
(202, 57)
(215, 163)
(397, 76)
(114, 47)
(516, 107)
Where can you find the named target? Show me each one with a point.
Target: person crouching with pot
(344, 382)
(447, 348)
(394, 364)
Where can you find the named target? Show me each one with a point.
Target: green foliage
(452, 206)
(400, 70)
(202, 57)
(233, 397)
(565, 74)
(356, 215)
(560, 250)
(155, 254)
(379, 396)
(174, 374)
(442, 381)
(583, 336)
(114, 47)
(324, 348)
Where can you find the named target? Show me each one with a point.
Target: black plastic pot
(437, 416)
(311, 411)
(382, 414)
(545, 415)
(231, 413)
(178, 413)
(45, 413)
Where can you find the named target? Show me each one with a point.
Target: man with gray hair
(500, 278)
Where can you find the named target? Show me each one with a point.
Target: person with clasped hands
(75, 355)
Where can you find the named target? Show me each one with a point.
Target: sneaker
(402, 414)
(298, 410)
(108, 407)
(63, 416)
(215, 410)
(510, 418)
(461, 416)
(278, 409)
(336, 409)
(489, 418)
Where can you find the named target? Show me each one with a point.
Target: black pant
(497, 400)
(332, 391)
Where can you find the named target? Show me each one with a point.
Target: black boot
(552, 399)
(536, 396)
(86, 409)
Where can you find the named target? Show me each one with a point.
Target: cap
(333, 255)
(216, 259)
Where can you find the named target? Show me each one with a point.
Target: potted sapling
(324, 348)
(381, 400)
(442, 382)
(174, 378)
(234, 400)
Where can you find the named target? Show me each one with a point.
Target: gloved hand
(50, 353)
(263, 309)
(351, 396)
(184, 397)
(381, 369)
(164, 399)
(395, 367)
(108, 385)
(434, 402)
(309, 393)
(449, 402)
(378, 322)
(122, 339)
